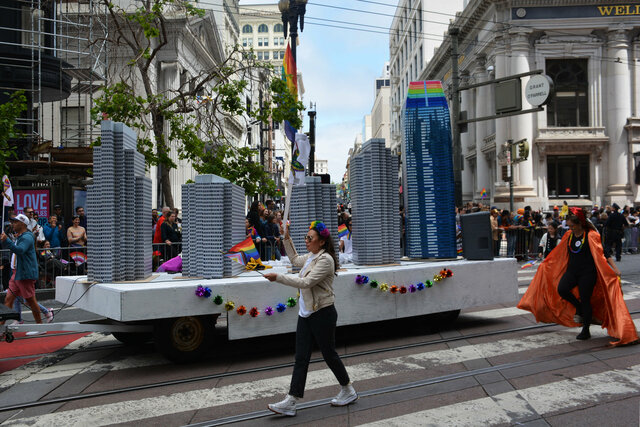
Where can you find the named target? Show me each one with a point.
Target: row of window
(262, 28)
(266, 56)
(263, 41)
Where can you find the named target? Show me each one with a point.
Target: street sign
(538, 89)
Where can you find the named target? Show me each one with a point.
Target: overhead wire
(420, 35)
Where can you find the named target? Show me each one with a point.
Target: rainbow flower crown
(322, 229)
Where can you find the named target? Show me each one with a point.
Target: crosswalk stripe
(519, 405)
(133, 410)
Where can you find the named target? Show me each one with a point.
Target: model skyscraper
(313, 201)
(212, 222)
(374, 202)
(428, 173)
(118, 209)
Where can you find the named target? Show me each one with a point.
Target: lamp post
(291, 10)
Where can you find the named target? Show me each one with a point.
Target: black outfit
(614, 231)
(581, 272)
(170, 232)
(321, 327)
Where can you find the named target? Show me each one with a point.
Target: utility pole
(510, 156)
(455, 115)
(312, 137)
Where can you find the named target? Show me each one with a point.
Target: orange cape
(543, 300)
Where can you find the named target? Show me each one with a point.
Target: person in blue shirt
(23, 282)
(53, 232)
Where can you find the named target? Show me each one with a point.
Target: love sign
(39, 200)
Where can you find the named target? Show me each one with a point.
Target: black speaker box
(477, 242)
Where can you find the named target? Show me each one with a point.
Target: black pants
(321, 327)
(585, 281)
(612, 238)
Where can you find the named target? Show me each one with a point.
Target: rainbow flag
(342, 230)
(528, 264)
(289, 72)
(290, 76)
(253, 232)
(247, 248)
(483, 193)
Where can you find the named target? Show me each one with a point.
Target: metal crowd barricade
(520, 242)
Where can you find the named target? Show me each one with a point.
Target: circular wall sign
(538, 89)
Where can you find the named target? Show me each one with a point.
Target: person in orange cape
(579, 263)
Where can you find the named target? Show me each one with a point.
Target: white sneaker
(33, 333)
(49, 315)
(16, 322)
(347, 395)
(286, 407)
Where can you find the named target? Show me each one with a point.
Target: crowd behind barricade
(529, 234)
(60, 245)
(524, 234)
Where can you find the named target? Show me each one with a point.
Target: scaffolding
(56, 52)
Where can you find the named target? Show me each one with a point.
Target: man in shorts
(23, 282)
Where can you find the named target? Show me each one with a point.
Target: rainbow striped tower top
(426, 94)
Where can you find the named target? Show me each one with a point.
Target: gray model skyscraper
(374, 204)
(313, 201)
(119, 226)
(212, 222)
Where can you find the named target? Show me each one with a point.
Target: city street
(493, 366)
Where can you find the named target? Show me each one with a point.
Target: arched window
(278, 28)
(247, 29)
(263, 28)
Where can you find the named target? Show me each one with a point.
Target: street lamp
(291, 10)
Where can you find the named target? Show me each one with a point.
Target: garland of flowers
(229, 305)
(395, 289)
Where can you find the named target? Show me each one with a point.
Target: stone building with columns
(585, 144)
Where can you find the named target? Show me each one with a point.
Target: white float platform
(474, 283)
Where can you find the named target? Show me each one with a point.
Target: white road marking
(508, 408)
(134, 410)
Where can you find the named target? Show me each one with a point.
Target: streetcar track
(263, 368)
(394, 388)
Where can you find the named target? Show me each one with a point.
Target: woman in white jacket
(317, 315)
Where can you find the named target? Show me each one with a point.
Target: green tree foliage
(194, 118)
(9, 113)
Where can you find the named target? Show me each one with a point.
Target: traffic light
(523, 149)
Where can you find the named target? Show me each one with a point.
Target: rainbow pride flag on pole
(342, 230)
(246, 249)
(483, 193)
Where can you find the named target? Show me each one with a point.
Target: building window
(278, 28)
(262, 28)
(282, 54)
(568, 176)
(247, 29)
(266, 56)
(568, 106)
(259, 55)
(266, 41)
(72, 126)
(245, 43)
(250, 42)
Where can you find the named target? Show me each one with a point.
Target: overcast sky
(339, 68)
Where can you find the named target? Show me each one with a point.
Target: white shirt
(302, 308)
(348, 244)
(33, 225)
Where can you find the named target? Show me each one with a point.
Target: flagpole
(285, 220)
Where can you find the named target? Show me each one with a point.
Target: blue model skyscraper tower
(427, 168)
